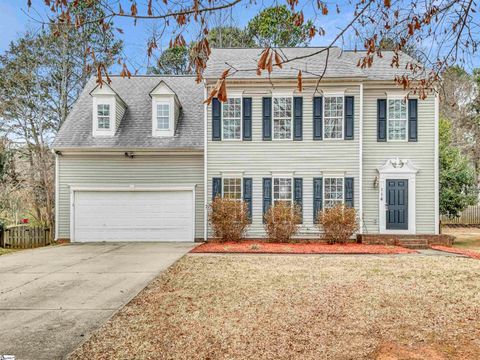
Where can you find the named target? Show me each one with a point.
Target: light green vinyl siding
(420, 153)
(111, 170)
(305, 159)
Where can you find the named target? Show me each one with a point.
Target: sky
(16, 18)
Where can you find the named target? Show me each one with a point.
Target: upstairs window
(282, 190)
(232, 188)
(333, 117)
(232, 118)
(163, 116)
(332, 192)
(282, 118)
(397, 120)
(103, 116)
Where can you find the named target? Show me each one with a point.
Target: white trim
(323, 188)
(126, 188)
(436, 168)
(330, 94)
(406, 120)
(205, 168)
(57, 195)
(397, 169)
(360, 162)
(396, 94)
(112, 103)
(241, 119)
(165, 100)
(282, 93)
(272, 124)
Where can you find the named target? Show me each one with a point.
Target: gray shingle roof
(341, 64)
(135, 130)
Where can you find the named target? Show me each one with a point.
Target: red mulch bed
(469, 253)
(258, 247)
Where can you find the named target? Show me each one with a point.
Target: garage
(131, 214)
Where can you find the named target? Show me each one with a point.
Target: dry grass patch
(465, 237)
(308, 307)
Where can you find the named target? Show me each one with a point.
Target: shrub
(229, 219)
(338, 223)
(281, 222)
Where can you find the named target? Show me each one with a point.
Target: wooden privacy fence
(470, 216)
(25, 237)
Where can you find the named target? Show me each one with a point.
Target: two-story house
(140, 159)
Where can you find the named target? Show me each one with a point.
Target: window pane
(282, 118)
(232, 188)
(333, 113)
(232, 116)
(163, 116)
(282, 189)
(103, 116)
(333, 192)
(397, 119)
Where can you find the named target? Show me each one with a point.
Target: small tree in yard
(338, 223)
(281, 222)
(229, 219)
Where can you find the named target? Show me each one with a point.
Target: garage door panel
(133, 216)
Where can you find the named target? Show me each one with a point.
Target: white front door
(133, 216)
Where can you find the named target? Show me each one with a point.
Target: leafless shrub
(229, 219)
(338, 223)
(281, 222)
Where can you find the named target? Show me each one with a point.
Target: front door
(397, 204)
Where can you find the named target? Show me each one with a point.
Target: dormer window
(107, 112)
(165, 110)
(103, 116)
(163, 116)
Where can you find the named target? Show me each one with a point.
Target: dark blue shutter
(216, 187)
(247, 195)
(349, 192)
(267, 195)
(317, 118)
(317, 197)
(267, 118)
(297, 118)
(349, 117)
(298, 195)
(216, 120)
(412, 119)
(381, 120)
(247, 119)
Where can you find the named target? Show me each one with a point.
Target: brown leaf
(387, 3)
(278, 60)
(262, 62)
(299, 81)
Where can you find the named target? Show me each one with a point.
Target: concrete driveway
(52, 298)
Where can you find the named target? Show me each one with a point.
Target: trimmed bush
(228, 219)
(281, 222)
(338, 223)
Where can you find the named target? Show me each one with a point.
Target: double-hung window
(333, 192)
(282, 118)
(232, 188)
(163, 116)
(282, 190)
(397, 120)
(103, 116)
(232, 118)
(333, 117)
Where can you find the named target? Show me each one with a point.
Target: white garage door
(133, 216)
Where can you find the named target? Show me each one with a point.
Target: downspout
(436, 165)
(205, 158)
(57, 194)
(360, 162)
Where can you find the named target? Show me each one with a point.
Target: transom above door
(396, 205)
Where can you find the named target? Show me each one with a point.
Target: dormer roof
(106, 89)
